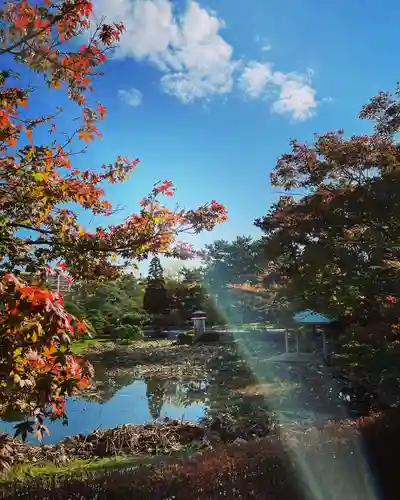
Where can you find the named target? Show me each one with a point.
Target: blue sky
(209, 93)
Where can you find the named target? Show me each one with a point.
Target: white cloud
(255, 78)
(189, 49)
(196, 61)
(132, 96)
(150, 27)
(291, 94)
(296, 98)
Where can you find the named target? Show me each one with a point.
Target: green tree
(185, 294)
(155, 300)
(231, 262)
(227, 266)
(109, 304)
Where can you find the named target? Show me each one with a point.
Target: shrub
(133, 319)
(253, 471)
(209, 337)
(185, 338)
(128, 332)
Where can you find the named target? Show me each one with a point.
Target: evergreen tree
(155, 300)
(156, 271)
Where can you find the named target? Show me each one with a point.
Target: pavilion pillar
(297, 341)
(286, 341)
(324, 346)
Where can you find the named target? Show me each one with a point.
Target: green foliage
(82, 346)
(128, 332)
(133, 319)
(109, 304)
(232, 262)
(156, 272)
(186, 294)
(155, 301)
(227, 266)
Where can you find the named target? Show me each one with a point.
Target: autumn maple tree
(40, 191)
(333, 242)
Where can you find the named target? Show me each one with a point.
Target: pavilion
(307, 317)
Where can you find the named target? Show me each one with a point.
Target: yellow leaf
(17, 352)
(40, 176)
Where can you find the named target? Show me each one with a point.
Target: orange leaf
(86, 136)
(81, 326)
(83, 383)
(49, 351)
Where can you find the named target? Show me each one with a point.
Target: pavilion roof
(312, 318)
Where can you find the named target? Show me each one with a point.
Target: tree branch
(28, 37)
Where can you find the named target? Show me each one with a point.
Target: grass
(23, 473)
(153, 343)
(81, 346)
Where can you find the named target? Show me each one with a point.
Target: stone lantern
(199, 323)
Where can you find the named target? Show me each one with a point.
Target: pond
(139, 402)
(188, 384)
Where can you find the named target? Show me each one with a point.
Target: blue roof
(311, 317)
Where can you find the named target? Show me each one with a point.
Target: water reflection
(126, 399)
(243, 385)
(139, 402)
(155, 393)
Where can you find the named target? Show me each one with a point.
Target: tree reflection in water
(155, 393)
